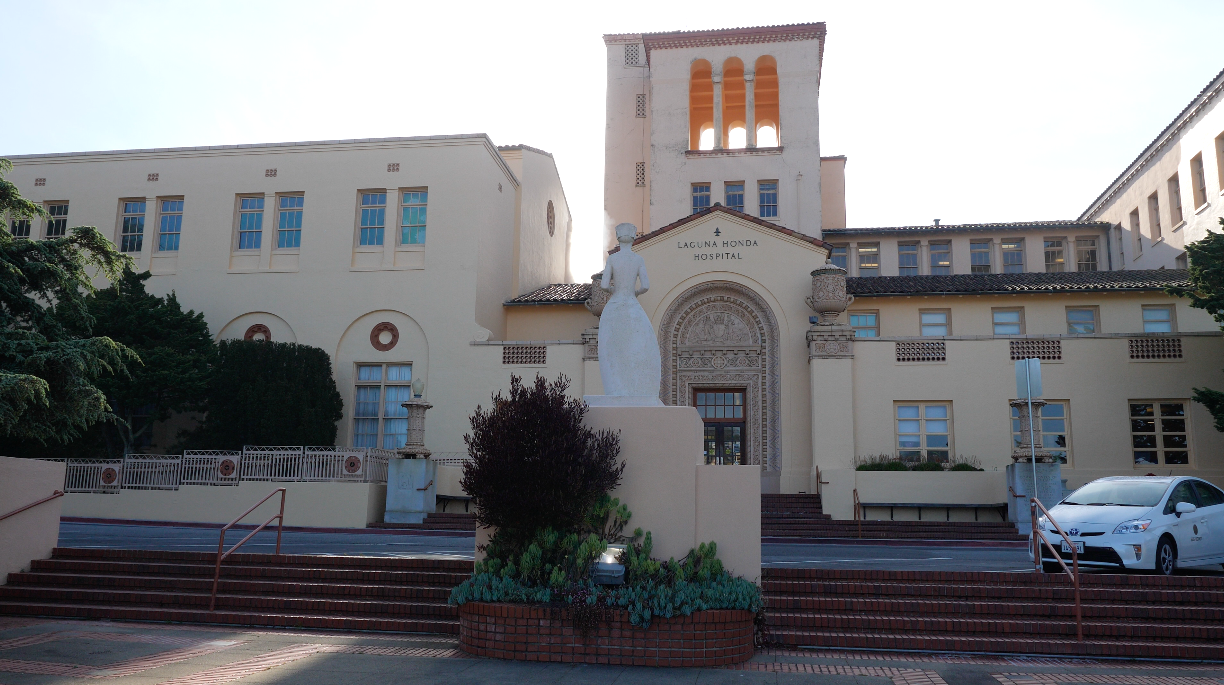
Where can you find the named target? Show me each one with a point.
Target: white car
(1139, 522)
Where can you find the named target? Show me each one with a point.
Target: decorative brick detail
(1155, 348)
(830, 342)
(639, 174)
(376, 335)
(258, 329)
(153, 178)
(524, 354)
(640, 106)
(393, 167)
(632, 54)
(535, 633)
(269, 173)
(922, 351)
(40, 181)
(1047, 350)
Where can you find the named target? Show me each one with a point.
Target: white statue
(628, 351)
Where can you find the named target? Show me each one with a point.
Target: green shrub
(964, 467)
(927, 466)
(879, 462)
(961, 463)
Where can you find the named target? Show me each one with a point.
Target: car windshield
(1122, 493)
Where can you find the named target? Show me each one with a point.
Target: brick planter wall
(535, 633)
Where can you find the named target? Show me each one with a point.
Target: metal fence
(93, 475)
(219, 467)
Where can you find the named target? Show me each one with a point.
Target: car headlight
(1135, 526)
(1043, 524)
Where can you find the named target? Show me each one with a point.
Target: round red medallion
(258, 332)
(109, 476)
(352, 464)
(384, 336)
(226, 468)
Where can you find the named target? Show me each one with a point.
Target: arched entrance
(721, 337)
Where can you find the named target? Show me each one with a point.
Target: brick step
(1054, 591)
(210, 558)
(1148, 631)
(883, 535)
(233, 571)
(1013, 644)
(255, 603)
(794, 516)
(427, 525)
(878, 578)
(231, 586)
(229, 617)
(1000, 610)
(896, 525)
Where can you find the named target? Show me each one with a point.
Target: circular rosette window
(226, 468)
(352, 464)
(109, 476)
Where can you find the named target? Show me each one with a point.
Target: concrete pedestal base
(412, 490)
(1020, 478)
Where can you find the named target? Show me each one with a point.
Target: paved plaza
(47, 652)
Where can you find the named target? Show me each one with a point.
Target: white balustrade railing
(211, 467)
(272, 463)
(93, 475)
(152, 471)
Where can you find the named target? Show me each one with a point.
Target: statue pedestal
(412, 490)
(675, 495)
(1020, 478)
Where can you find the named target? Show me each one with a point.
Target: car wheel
(1166, 557)
(1051, 567)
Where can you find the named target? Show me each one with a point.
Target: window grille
(839, 256)
(921, 351)
(1159, 432)
(393, 167)
(131, 237)
(171, 225)
(735, 196)
(373, 218)
(907, 260)
(868, 259)
(1045, 350)
(768, 199)
(641, 105)
(20, 228)
(1155, 348)
(57, 221)
(640, 171)
(631, 55)
(250, 223)
(1013, 256)
(152, 178)
(40, 181)
(524, 354)
(269, 173)
(413, 210)
(289, 228)
(1086, 254)
(701, 197)
(941, 259)
(378, 411)
(979, 256)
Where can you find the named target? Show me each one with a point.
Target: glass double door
(723, 414)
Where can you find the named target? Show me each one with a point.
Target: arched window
(737, 136)
(766, 96)
(701, 105)
(734, 98)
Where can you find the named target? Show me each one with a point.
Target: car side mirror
(1184, 508)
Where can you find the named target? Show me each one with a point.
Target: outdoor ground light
(607, 571)
(418, 388)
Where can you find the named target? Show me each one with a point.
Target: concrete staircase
(349, 593)
(436, 521)
(800, 516)
(1124, 615)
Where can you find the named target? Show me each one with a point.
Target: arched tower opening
(734, 100)
(701, 105)
(768, 123)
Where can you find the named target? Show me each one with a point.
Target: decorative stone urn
(599, 297)
(829, 297)
(1024, 451)
(414, 447)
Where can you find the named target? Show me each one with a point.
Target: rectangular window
(250, 223)
(412, 223)
(941, 259)
(935, 322)
(979, 256)
(379, 420)
(57, 221)
(1136, 232)
(1159, 432)
(1158, 318)
(1055, 261)
(1154, 217)
(289, 222)
(1198, 180)
(20, 228)
(1050, 429)
(701, 197)
(1085, 254)
(735, 196)
(1013, 255)
(171, 226)
(839, 256)
(131, 234)
(924, 432)
(869, 259)
(907, 259)
(722, 412)
(1082, 320)
(373, 218)
(768, 191)
(1008, 321)
(1175, 205)
(865, 324)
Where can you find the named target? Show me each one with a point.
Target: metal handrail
(857, 513)
(1034, 505)
(280, 525)
(54, 494)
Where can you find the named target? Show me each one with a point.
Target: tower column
(718, 110)
(750, 108)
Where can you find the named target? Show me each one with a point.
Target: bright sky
(978, 111)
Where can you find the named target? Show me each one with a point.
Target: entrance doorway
(722, 410)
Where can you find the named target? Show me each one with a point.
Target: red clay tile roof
(727, 210)
(961, 228)
(967, 284)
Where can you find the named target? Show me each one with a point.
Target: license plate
(1079, 547)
